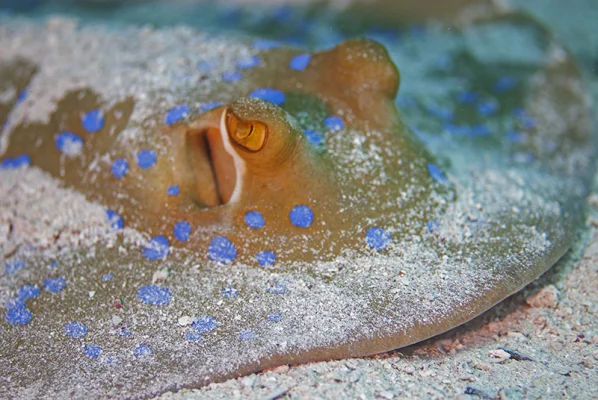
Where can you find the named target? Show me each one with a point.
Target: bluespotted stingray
(287, 213)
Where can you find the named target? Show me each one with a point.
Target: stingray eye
(250, 135)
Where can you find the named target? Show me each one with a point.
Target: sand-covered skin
(437, 278)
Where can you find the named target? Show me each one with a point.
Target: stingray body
(221, 182)
(288, 214)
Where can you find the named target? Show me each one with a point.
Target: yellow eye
(251, 135)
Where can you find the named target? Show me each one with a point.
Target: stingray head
(237, 147)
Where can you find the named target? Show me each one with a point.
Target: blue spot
(115, 220)
(123, 331)
(18, 315)
(254, 219)
(433, 225)
(301, 216)
(222, 250)
(249, 62)
(22, 160)
(406, 102)
(22, 96)
(267, 94)
(205, 324)
(107, 277)
(92, 350)
(209, 106)
(247, 335)
(264, 44)
(120, 168)
(275, 317)
(504, 84)
(458, 130)
(488, 108)
(313, 137)
(232, 76)
(278, 288)
(523, 158)
(154, 295)
(334, 123)
(437, 174)
(228, 292)
(143, 350)
(377, 238)
(182, 231)
(13, 266)
(300, 62)
(69, 143)
(439, 112)
(266, 258)
(176, 114)
(146, 159)
(467, 97)
(75, 329)
(93, 121)
(524, 118)
(157, 248)
(193, 336)
(54, 285)
(28, 292)
(173, 190)
(516, 137)
(53, 264)
(480, 130)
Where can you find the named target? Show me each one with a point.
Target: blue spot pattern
(249, 62)
(232, 76)
(278, 288)
(13, 266)
(22, 96)
(505, 83)
(182, 231)
(154, 295)
(301, 216)
(516, 137)
(467, 97)
(143, 350)
(205, 324)
(75, 329)
(120, 168)
(115, 220)
(300, 62)
(334, 123)
(173, 190)
(377, 238)
(22, 160)
(488, 108)
(222, 250)
(92, 351)
(437, 174)
(28, 292)
(123, 331)
(266, 258)
(54, 285)
(210, 106)
(275, 317)
(93, 121)
(264, 44)
(524, 118)
(254, 219)
(273, 96)
(157, 248)
(439, 112)
(176, 114)
(433, 225)
(18, 314)
(193, 336)
(229, 292)
(313, 137)
(247, 335)
(146, 159)
(107, 277)
(69, 143)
